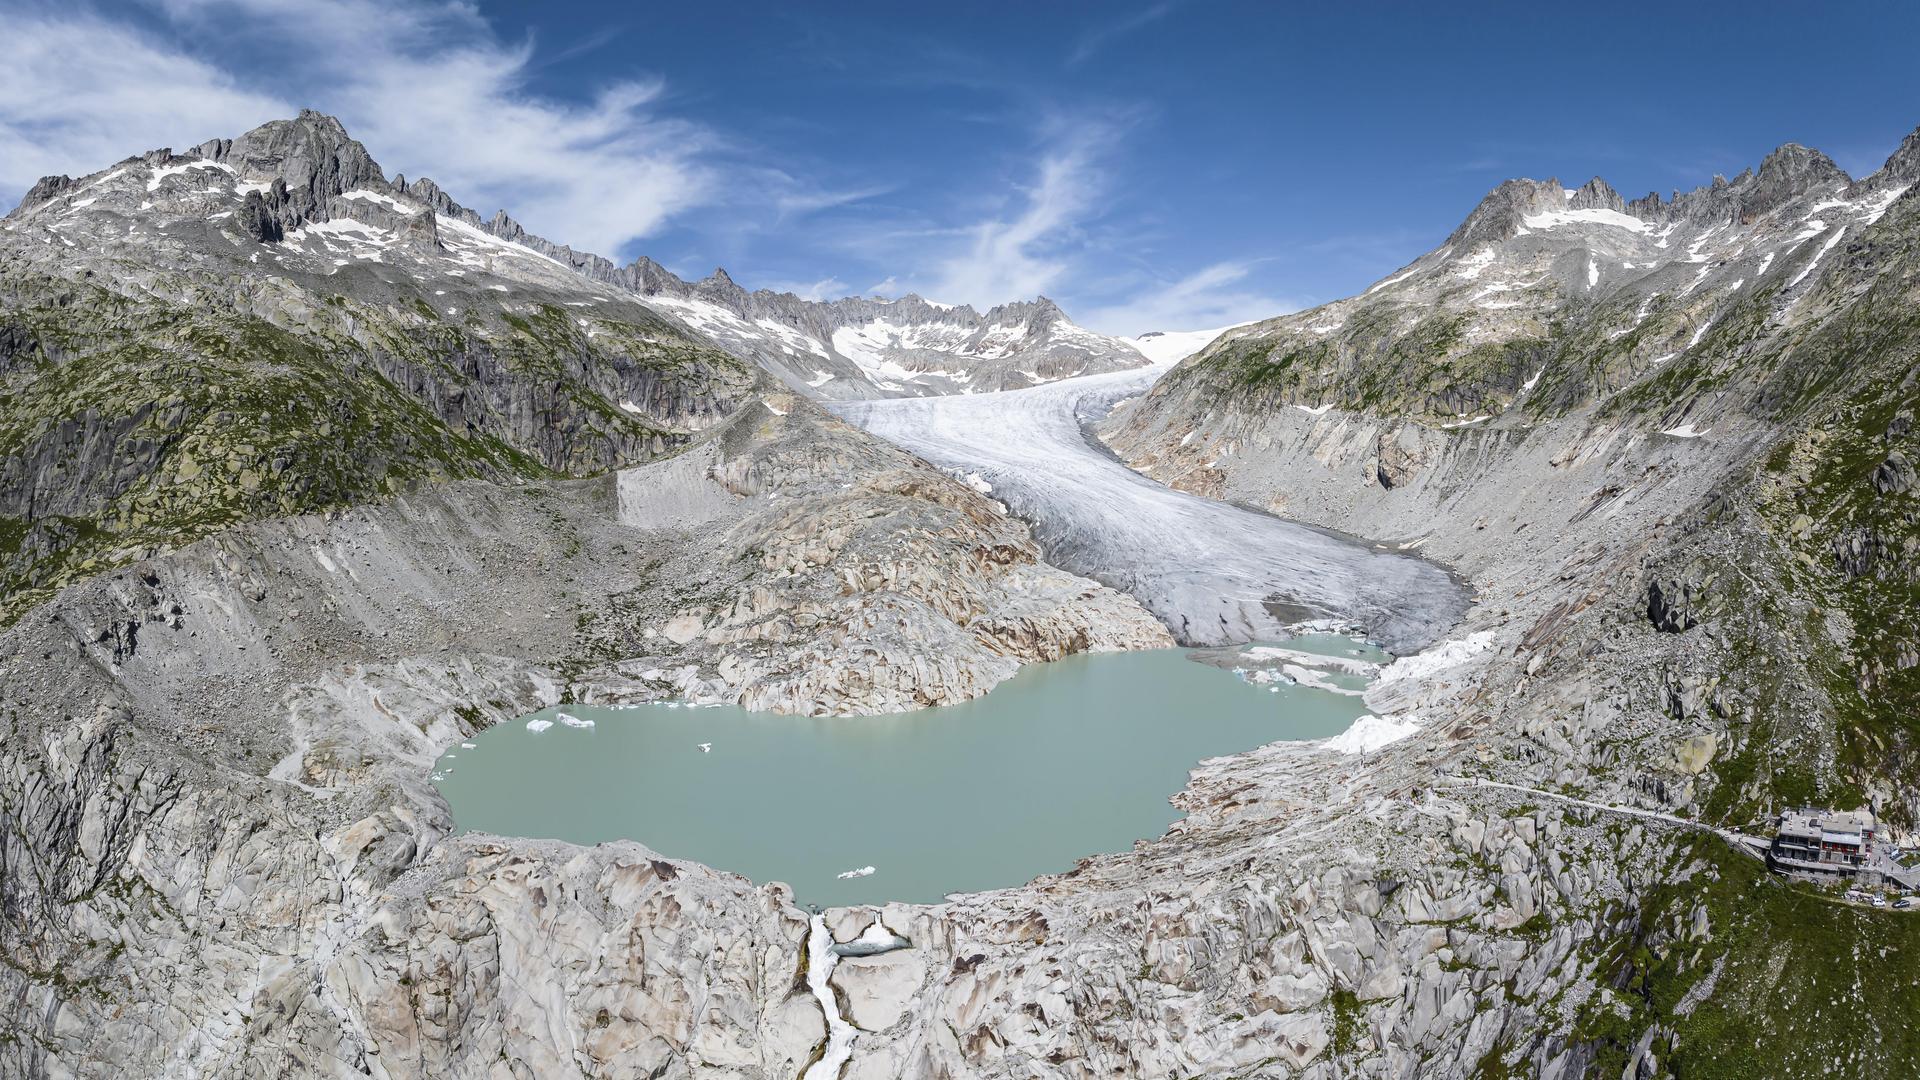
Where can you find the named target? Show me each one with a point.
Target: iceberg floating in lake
(537, 725)
(573, 721)
(862, 872)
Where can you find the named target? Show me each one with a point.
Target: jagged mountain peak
(1791, 171)
(1657, 276)
(1505, 211)
(1902, 167)
(877, 346)
(314, 199)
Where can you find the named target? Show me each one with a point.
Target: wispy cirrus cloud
(827, 288)
(613, 162)
(1100, 36)
(1027, 251)
(1213, 296)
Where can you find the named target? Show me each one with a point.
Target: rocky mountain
(324, 334)
(290, 451)
(1667, 440)
(309, 474)
(1556, 296)
(265, 326)
(860, 347)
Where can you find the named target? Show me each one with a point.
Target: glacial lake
(1064, 760)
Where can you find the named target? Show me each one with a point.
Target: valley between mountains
(310, 473)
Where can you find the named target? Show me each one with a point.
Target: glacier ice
(1213, 572)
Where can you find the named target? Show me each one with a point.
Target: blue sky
(1150, 165)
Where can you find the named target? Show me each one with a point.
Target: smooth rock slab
(878, 989)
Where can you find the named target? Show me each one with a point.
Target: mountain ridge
(310, 171)
(1638, 291)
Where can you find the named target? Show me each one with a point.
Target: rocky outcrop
(307, 162)
(1671, 604)
(1895, 475)
(221, 851)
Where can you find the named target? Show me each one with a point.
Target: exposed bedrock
(221, 855)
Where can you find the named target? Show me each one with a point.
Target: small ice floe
(537, 725)
(1297, 657)
(1314, 679)
(706, 748)
(1370, 733)
(573, 721)
(862, 872)
(467, 746)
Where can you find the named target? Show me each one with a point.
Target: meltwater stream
(1212, 571)
(1066, 759)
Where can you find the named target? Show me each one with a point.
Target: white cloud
(1098, 38)
(1028, 253)
(1054, 240)
(799, 199)
(1202, 300)
(829, 288)
(78, 93)
(430, 88)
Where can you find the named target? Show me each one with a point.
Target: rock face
(264, 327)
(220, 854)
(1670, 605)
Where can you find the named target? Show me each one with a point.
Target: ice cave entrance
(1064, 760)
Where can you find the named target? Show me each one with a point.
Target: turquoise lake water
(1064, 760)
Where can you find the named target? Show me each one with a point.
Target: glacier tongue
(1213, 572)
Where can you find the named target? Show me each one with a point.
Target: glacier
(1214, 572)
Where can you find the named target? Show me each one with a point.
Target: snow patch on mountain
(1173, 346)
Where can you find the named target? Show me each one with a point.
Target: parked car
(1879, 901)
(1904, 902)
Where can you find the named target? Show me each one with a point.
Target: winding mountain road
(1213, 572)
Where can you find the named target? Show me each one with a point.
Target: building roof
(1811, 821)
